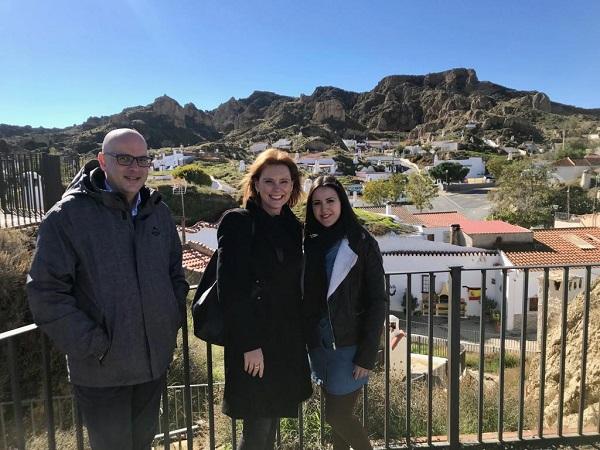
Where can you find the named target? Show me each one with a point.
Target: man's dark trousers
(121, 417)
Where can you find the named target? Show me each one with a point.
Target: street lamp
(446, 172)
(181, 190)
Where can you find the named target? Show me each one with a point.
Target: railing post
(211, 406)
(16, 394)
(48, 392)
(454, 357)
(187, 395)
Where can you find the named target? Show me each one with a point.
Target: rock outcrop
(424, 106)
(572, 366)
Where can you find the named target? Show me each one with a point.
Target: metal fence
(410, 412)
(30, 184)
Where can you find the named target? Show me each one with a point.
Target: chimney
(388, 209)
(454, 234)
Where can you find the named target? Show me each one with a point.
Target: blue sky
(63, 61)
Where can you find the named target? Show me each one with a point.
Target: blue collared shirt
(138, 199)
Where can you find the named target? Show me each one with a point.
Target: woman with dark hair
(259, 282)
(344, 306)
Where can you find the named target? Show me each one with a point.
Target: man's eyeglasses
(124, 159)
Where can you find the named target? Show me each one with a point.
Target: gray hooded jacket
(106, 287)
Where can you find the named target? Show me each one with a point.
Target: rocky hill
(572, 365)
(422, 107)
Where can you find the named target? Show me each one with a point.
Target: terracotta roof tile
(401, 212)
(441, 219)
(491, 227)
(195, 258)
(560, 246)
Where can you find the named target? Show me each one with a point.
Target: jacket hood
(90, 181)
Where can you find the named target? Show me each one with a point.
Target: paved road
(473, 204)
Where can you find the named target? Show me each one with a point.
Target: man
(106, 284)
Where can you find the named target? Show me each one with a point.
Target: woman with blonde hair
(259, 282)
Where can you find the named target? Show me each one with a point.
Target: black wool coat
(259, 282)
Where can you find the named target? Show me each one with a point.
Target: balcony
(468, 386)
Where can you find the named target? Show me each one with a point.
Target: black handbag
(207, 310)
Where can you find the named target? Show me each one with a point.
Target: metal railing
(506, 416)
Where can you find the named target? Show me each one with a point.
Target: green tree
(574, 149)
(449, 171)
(397, 185)
(578, 199)
(192, 173)
(524, 195)
(496, 165)
(420, 190)
(377, 192)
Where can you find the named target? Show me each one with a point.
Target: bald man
(107, 286)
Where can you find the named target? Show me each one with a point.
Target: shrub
(201, 203)
(192, 173)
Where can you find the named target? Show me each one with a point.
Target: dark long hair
(347, 216)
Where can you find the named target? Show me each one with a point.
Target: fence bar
(322, 416)
(16, 394)
(502, 355)
(584, 347)
(386, 424)
(233, 433)
(211, 407)
(300, 426)
(187, 394)
(454, 357)
(482, 310)
(543, 351)
(430, 358)
(165, 417)
(47, 382)
(408, 314)
(524, 310)
(365, 407)
(563, 350)
(78, 426)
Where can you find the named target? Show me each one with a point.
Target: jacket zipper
(330, 324)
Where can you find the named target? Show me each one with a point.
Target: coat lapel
(344, 262)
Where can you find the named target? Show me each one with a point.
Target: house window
(533, 304)
(425, 284)
(493, 281)
(580, 283)
(431, 237)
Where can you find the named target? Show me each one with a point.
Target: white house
(378, 144)
(414, 150)
(447, 146)
(414, 254)
(169, 162)
(350, 143)
(568, 246)
(283, 144)
(475, 164)
(258, 147)
(569, 170)
(317, 165)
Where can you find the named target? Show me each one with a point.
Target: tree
(377, 192)
(574, 149)
(496, 165)
(397, 186)
(524, 195)
(449, 171)
(420, 190)
(192, 173)
(577, 198)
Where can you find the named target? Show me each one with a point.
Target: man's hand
(254, 362)
(360, 372)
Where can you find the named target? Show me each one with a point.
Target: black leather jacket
(356, 299)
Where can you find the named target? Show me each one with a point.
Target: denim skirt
(332, 368)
